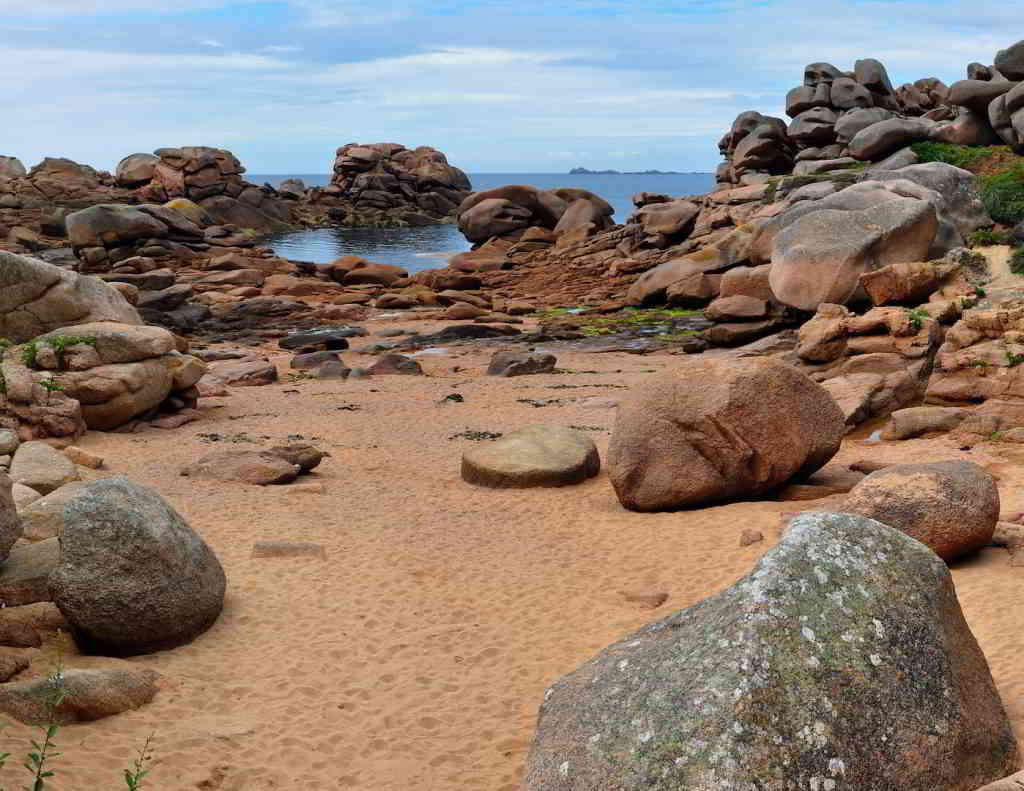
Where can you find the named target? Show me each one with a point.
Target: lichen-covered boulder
(133, 576)
(842, 661)
(713, 430)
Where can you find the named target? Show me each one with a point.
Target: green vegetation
(917, 316)
(966, 157)
(1003, 194)
(986, 237)
(979, 363)
(60, 344)
(51, 386)
(1013, 360)
(29, 352)
(1017, 261)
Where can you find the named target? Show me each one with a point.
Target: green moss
(1017, 261)
(986, 237)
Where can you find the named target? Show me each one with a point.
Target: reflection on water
(415, 249)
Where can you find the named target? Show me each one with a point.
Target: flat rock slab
(287, 549)
(533, 456)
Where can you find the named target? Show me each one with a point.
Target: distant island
(586, 172)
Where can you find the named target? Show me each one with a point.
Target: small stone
(259, 468)
(286, 549)
(333, 369)
(88, 695)
(513, 364)
(649, 601)
(748, 537)
(396, 364)
(84, 457)
(305, 362)
(304, 455)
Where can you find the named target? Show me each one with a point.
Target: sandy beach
(415, 651)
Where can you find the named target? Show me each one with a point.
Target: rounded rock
(533, 456)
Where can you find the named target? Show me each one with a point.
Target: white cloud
(212, 42)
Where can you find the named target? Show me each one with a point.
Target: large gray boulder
(820, 257)
(36, 297)
(110, 224)
(713, 430)
(843, 661)
(133, 577)
(1010, 61)
(877, 141)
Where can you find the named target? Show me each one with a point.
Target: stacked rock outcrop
(76, 355)
(384, 184)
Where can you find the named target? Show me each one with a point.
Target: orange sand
(415, 655)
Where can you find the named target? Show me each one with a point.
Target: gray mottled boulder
(1010, 61)
(977, 95)
(133, 577)
(850, 123)
(877, 141)
(10, 523)
(533, 456)
(713, 430)
(36, 297)
(814, 127)
(111, 224)
(843, 661)
(820, 257)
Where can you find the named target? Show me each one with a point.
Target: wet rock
(846, 630)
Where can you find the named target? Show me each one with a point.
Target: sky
(498, 85)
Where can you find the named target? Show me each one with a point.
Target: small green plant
(978, 363)
(29, 353)
(917, 316)
(60, 344)
(979, 292)
(996, 436)
(986, 237)
(1013, 360)
(133, 777)
(1017, 261)
(51, 386)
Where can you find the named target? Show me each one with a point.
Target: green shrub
(961, 156)
(1017, 261)
(1003, 195)
(917, 316)
(986, 237)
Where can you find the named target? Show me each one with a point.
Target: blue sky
(499, 85)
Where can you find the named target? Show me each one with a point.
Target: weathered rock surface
(846, 632)
(39, 466)
(133, 577)
(713, 430)
(87, 695)
(10, 522)
(259, 468)
(520, 364)
(950, 506)
(532, 456)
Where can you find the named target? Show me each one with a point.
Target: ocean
(416, 249)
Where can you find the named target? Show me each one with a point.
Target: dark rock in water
(512, 364)
(133, 576)
(333, 339)
(842, 661)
